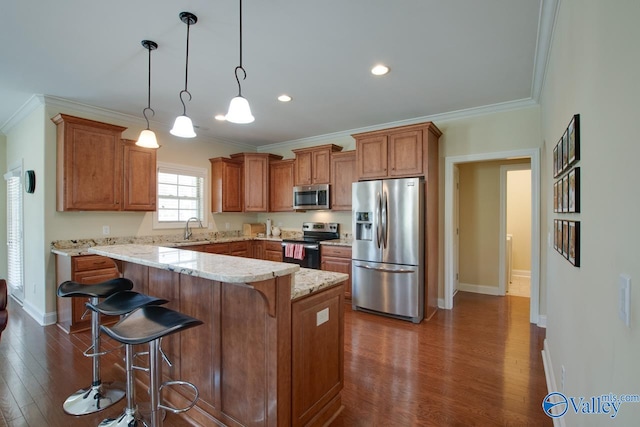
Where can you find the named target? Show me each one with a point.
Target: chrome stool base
(129, 418)
(92, 399)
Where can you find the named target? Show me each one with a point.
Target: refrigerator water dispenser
(364, 226)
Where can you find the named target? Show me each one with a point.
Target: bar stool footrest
(183, 383)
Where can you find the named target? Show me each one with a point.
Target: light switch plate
(624, 299)
(322, 316)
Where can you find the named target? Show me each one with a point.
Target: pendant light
(183, 127)
(239, 110)
(147, 137)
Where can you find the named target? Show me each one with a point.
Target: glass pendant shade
(239, 111)
(183, 127)
(147, 139)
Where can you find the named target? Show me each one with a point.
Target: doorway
(450, 267)
(515, 228)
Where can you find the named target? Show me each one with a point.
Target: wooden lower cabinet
(338, 259)
(317, 330)
(89, 270)
(273, 251)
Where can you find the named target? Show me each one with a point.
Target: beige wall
(593, 71)
(519, 217)
(479, 215)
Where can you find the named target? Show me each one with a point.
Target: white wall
(593, 70)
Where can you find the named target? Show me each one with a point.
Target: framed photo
(555, 234)
(555, 161)
(565, 151)
(558, 235)
(565, 193)
(555, 196)
(574, 140)
(574, 190)
(559, 185)
(574, 243)
(565, 239)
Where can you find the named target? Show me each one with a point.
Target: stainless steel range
(305, 251)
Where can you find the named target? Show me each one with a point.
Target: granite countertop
(338, 242)
(222, 268)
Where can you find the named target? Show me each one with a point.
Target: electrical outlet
(563, 377)
(106, 230)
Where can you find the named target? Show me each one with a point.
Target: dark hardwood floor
(478, 364)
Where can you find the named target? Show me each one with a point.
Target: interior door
(456, 227)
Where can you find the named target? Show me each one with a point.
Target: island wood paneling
(240, 358)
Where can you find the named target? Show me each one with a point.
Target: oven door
(311, 258)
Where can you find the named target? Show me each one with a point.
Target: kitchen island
(270, 351)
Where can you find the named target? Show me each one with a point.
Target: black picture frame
(573, 145)
(558, 224)
(565, 238)
(555, 161)
(574, 243)
(555, 197)
(565, 151)
(565, 194)
(574, 190)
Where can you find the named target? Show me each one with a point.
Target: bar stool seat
(98, 290)
(121, 304)
(148, 325)
(98, 395)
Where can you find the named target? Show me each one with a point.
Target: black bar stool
(148, 325)
(121, 304)
(99, 395)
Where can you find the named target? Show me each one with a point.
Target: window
(181, 195)
(15, 268)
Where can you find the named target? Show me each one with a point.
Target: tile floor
(520, 286)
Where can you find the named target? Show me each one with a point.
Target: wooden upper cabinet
(226, 185)
(371, 156)
(256, 179)
(405, 153)
(397, 152)
(140, 177)
(313, 164)
(343, 175)
(281, 185)
(89, 164)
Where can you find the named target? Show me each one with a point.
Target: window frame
(182, 170)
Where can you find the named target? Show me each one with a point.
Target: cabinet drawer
(217, 248)
(92, 262)
(337, 251)
(270, 245)
(238, 246)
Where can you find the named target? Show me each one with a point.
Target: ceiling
(444, 56)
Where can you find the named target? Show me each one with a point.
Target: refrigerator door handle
(387, 270)
(379, 219)
(385, 219)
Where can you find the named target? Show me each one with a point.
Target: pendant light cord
(186, 74)
(240, 67)
(149, 45)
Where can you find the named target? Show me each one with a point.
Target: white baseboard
(542, 321)
(479, 289)
(521, 273)
(441, 303)
(550, 379)
(43, 319)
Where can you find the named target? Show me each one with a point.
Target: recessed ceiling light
(220, 117)
(284, 98)
(379, 70)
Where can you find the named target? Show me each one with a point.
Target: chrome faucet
(187, 232)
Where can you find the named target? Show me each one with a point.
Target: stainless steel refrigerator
(388, 247)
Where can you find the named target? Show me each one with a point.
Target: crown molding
(452, 115)
(27, 108)
(546, 28)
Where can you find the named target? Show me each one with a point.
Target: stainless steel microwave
(309, 197)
